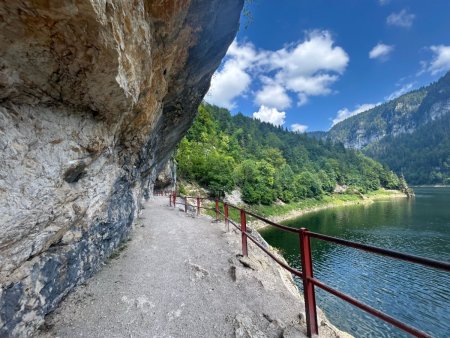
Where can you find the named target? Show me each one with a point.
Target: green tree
(222, 152)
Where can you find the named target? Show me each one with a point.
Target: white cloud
(272, 94)
(384, 2)
(441, 59)
(401, 19)
(233, 79)
(307, 68)
(270, 115)
(345, 113)
(299, 128)
(312, 85)
(381, 51)
(302, 99)
(402, 90)
(439, 63)
(227, 84)
(245, 54)
(316, 53)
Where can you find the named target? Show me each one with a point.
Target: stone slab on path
(181, 276)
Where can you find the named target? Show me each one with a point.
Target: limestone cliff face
(94, 96)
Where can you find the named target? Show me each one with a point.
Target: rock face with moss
(94, 96)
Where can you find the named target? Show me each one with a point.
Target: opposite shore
(282, 212)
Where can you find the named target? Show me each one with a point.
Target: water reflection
(417, 295)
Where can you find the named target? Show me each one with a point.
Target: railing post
(308, 286)
(244, 233)
(170, 200)
(185, 204)
(225, 210)
(198, 206)
(217, 209)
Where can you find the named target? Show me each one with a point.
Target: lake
(416, 295)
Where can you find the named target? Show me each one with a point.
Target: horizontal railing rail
(384, 252)
(163, 192)
(306, 274)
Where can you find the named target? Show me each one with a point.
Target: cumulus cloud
(303, 69)
(345, 113)
(381, 51)
(311, 85)
(401, 19)
(233, 79)
(270, 115)
(227, 84)
(298, 128)
(310, 67)
(272, 94)
(316, 53)
(302, 99)
(441, 59)
(402, 90)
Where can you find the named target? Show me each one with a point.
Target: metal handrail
(164, 192)
(306, 262)
(432, 263)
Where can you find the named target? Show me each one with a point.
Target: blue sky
(306, 64)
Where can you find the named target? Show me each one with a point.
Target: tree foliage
(268, 163)
(423, 156)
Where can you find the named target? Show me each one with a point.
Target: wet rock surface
(94, 96)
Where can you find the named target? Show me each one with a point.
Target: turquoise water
(414, 294)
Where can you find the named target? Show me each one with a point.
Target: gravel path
(182, 276)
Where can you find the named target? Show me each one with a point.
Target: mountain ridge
(387, 133)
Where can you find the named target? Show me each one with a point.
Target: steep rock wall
(94, 96)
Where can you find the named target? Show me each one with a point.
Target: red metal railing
(306, 259)
(162, 192)
(198, 204)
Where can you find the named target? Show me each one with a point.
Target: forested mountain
(222, 152)
(423, 156)
(410, 134)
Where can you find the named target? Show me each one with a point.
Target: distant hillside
(410, 134)
(222, 152)
(318, 135)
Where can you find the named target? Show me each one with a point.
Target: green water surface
(414, 294)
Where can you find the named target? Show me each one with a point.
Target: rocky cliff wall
(94, 96)
(166, 179)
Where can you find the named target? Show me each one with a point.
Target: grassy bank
(326, 201)
(282, 211)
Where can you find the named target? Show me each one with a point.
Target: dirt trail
(182, 276)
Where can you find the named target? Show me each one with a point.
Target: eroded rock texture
(167, 177)
(94, 96)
